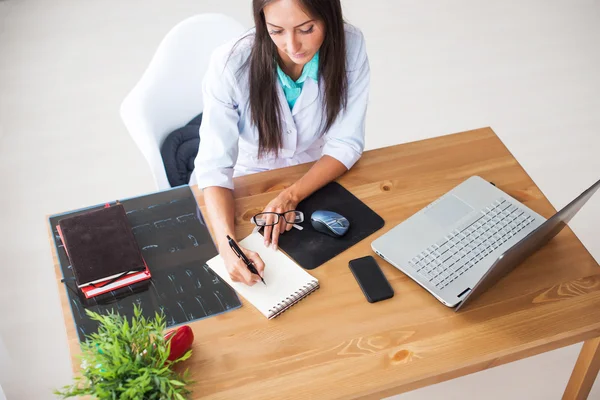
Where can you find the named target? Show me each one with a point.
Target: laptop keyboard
(456, 253)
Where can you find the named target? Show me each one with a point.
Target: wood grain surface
(336, 345)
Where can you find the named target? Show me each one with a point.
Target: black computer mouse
(329, 223)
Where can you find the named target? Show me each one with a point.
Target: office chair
(169, 93)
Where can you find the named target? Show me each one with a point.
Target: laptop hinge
(463, 292)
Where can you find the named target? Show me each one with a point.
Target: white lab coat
(229, 141)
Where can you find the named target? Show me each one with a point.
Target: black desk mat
(310, 248)
(176, 244)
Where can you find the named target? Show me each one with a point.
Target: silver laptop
(465, 241)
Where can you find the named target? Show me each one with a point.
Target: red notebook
(91, 291)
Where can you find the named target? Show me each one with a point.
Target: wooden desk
(335, 344)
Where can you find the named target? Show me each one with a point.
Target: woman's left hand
(285, 201)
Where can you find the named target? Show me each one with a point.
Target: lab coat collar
(310, 93)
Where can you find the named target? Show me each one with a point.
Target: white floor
(528, 68)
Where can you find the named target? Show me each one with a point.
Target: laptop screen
(514, 256)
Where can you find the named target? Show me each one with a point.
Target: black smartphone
(370, 278)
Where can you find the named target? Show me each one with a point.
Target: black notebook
(100, 245)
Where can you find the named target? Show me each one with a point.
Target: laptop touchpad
(448, 211)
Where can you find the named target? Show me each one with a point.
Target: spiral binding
(292, 299)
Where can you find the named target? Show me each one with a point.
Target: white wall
(5, 362)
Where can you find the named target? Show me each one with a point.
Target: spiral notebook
(286, 282)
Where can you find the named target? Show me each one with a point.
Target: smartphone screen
(371, 280)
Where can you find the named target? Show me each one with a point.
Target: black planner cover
(310, 248)
(100, 244)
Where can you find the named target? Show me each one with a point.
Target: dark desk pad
(310, 248)
(176, 244)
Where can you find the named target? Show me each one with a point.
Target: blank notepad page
(286, 282)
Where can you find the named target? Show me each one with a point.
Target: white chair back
(169, 93)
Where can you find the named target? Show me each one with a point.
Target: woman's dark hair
(265, 108)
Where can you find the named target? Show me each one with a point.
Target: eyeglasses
(272, 218)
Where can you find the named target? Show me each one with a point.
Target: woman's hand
(285, 201)
(238, 271)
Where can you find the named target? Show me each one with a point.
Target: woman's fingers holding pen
(243, 274)
(258, 262)
(246, 276)
(238, 271)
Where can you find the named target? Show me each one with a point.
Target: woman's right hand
(221, 211)
(238, 271)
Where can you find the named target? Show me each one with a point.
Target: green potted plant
(126, 360)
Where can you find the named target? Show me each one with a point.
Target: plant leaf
(125, 359)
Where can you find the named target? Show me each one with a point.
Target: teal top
(291, 88)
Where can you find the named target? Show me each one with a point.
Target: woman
(293, 91)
